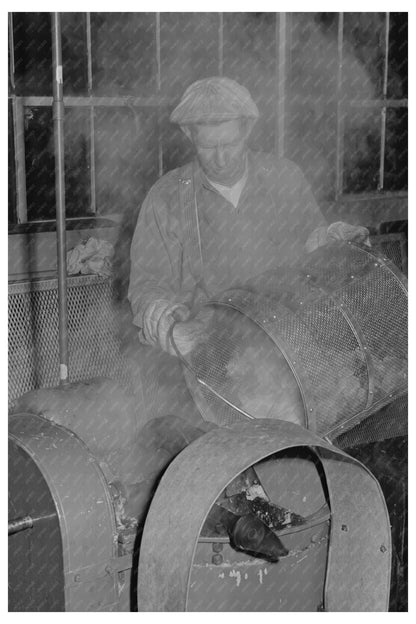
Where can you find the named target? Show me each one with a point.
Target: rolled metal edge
(80, 494)
(198, 475)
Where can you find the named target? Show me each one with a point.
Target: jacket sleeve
(156, 256)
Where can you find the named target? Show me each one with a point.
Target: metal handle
(26, 522)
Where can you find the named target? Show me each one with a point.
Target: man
(219, 221)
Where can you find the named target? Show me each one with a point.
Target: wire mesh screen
(323, 345)
(389, 422)
(237, 368)
(33, 333)
(394, 246)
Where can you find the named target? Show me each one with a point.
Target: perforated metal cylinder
(325, 343)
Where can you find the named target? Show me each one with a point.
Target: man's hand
(347, 232)
(338, 231)
(188, 334)
(158, 319)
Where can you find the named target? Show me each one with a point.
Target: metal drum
(64, 553)
(80, 484)
(265, 516)
(323, 345)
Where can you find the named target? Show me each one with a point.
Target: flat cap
(213, 100)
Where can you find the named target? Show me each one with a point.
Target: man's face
(221, 150)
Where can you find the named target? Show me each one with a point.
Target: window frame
(159, 101)
(344, 106)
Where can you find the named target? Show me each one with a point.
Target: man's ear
(186, 130)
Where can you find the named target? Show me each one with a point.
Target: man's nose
(220, 157)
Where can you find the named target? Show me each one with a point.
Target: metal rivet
(217, 559)
(352, 276)
(77, 578)
(311, 409)
(383, 548)
(344, 527)
(217, 547)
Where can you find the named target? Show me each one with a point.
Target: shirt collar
(200, 175)
(229, 189)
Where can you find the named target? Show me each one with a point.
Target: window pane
(74, 53)
(364, 42)
(40, 163)
(313, 58)
(250, 58)
(177, 149)
(33, 53)
(189, 49)
(12, 168)
(362, 150)
(396, 155)
(397, 76)
(77, 162)
(311, 143)
(40, 176)
(126, 151)
(123, 53)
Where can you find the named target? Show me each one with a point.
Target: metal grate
(389, 422)
(33, 333)
(325, 346)
(394, 247)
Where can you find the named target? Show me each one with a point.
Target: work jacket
(275, 214)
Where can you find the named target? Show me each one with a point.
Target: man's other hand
(338, 231)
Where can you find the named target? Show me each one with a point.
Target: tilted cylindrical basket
(323, 345)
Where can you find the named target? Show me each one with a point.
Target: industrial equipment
(260, 516)
(333, 553)
(324, 344)
(257, 511)
(253, 506)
